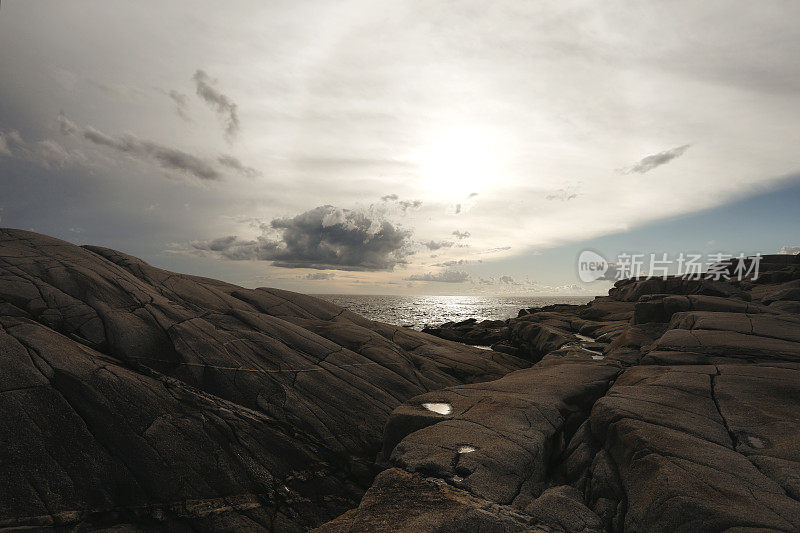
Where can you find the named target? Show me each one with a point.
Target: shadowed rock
(669, 406)
(136, 398)
(133, 394)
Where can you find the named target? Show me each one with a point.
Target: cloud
(458, 208)
(458, 262)
(165, 157)
(790, 250)
(319, 276)
(504, 280)
(435, 245)
(323, 238)
(493, 250)
(656, 160)
(120, 91)
(45, 153)
(472, 195)
(49, 154)
(447, 276)
(221, 103)
(4, 148)
(405, 205)
(66, 126)
(562, 194)
(181, 104)
(233, 163)
(461, 234)
(571, 287)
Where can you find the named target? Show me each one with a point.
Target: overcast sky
(391, 147)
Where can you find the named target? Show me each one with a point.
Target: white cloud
(346, 103)
(446, 276)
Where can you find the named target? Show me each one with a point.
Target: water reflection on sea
(421, 311)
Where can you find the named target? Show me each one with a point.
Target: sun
(456, 163)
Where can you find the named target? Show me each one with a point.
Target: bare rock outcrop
(669, 406)
(139, 399)
(133, 396)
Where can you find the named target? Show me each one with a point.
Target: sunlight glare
(458, 162)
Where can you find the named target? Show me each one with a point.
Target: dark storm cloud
(435, 245)
(234, 164)
(165, 157)
(322, 238)
(461, 234)
(448, 276)
(656, 160)
(221, 103)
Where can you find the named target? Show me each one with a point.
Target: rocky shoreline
(666, 405)
(136, 398)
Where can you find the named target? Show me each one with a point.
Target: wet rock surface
(136, 398)
(668, 405)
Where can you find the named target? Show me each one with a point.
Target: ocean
(421, 311)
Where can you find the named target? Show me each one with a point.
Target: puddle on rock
(583, 337)
(441, 408)
(598, 357)
(466, 448)
(755, 442)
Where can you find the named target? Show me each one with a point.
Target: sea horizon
(423, 311)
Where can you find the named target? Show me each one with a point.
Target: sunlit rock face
(133, 395)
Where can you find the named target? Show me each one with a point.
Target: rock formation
(132, 395)
(136, 399)
(669, 405)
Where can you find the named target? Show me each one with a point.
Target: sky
(401, 147)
